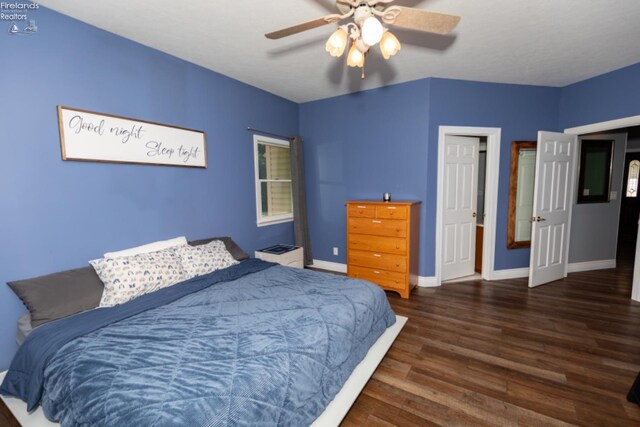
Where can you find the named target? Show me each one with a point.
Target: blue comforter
(251, 344)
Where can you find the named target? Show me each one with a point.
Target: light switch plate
(614, 195)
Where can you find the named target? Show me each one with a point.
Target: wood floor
(497, 353)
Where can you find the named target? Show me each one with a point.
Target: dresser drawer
(387, 279)
(391, 212)
(378, 227)
(361, 211)
(364, 242)
(378, 260)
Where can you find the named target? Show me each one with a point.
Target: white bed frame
(332, 415)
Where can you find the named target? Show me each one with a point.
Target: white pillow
(204, 259)
(126, 278)
(150, 247)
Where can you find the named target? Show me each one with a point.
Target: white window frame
(273, 219)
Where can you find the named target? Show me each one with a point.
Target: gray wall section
(594, 226)
(633, 143)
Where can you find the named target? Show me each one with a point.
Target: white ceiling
(537, 42)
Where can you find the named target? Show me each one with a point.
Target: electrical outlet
(335, 251)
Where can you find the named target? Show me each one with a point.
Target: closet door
(460, 206)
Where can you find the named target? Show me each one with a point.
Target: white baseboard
(574, 267)
(427, 281)
(329, 266)
(512, 273)
(423, 281)
(602, 264)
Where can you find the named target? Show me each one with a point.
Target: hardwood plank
(6, 417)
(499, 353)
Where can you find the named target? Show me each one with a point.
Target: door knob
(473, 215)
(540, 219)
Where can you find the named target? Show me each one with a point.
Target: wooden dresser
(383, 243)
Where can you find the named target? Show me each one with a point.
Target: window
(273, 180)
(632, 179)
(594, 177)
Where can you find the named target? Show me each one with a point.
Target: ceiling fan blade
(423, 20)
(302, 27)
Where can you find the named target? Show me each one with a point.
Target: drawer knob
(375, 221)
(376, 271)
(377, 255)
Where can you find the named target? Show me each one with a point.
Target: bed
(255, 343)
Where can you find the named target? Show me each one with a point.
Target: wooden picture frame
(88, 136)
(595, 169)
(516, 147)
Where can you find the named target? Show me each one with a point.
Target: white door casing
(552, 203)
(460, 188)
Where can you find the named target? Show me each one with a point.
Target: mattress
(255, 344)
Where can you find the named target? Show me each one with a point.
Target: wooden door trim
(513, 191)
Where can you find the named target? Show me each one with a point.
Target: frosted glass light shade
(355, 58)
(389, 45)
(372, 31)
(337, 43)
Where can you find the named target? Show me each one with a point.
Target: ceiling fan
(366, 30)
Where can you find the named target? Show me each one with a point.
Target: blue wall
(57, 215)
(607, 97)
(361, 145)
(520, 111)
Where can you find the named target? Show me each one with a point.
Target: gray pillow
(235, 250)
(59, 295)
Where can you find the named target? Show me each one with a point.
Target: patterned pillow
(129, 277)
(203, 259)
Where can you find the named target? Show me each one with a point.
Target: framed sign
(96, 137)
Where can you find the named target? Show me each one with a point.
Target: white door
(460, 204)
(552, 201)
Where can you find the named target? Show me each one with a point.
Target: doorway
(457, 209)
(631, 125)
(630, 203)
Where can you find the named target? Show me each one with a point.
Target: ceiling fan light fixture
(389, 45)
(337, 43)
(355, 57)
(372, 31)
(361, 45)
